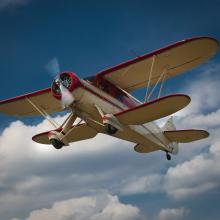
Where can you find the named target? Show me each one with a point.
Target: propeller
(53, 68)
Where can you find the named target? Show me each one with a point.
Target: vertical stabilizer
(170, 126)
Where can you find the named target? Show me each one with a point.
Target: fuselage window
(115, 92)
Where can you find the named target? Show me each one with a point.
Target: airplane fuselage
(149, 135)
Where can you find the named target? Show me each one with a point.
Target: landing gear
(56, 143)
(168, 156)
(110, 129)
(57, 138)
(110, 122)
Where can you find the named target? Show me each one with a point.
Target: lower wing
(153, 110)
(77, 133)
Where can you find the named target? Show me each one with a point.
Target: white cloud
(145, 184)
(204, 92)
(196, 176)
(173, 214)
(12, 3)
(201, 172)
(209, 120)
(99, 207)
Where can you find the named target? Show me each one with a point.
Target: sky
(104, 178)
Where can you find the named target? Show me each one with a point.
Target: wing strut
(148, 84)
(58, 138)
(43, 113)
(109, 119)
(162, 82)
(70, 130)
(160, 78)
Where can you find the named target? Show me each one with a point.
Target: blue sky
(86, 37)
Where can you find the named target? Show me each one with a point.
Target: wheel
(110, 129)
(168, 156)
(56, 143)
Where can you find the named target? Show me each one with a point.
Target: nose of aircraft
(63, 86)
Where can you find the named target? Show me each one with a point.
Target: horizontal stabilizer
(185, 136)
(153, 110)
(78, 133)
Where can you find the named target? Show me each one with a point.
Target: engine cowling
(68, 79)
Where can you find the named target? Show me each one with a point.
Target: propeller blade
(66, 96)
(53, 67)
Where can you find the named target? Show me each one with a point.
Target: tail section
(181, 136)
(170, 126)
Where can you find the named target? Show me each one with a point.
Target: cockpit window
(114, 92)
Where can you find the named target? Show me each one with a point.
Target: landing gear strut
(110, 122)
(57, 139)
(110, 129)
(56, 143)
(168, 156)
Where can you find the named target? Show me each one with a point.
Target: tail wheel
(110, 129)
(168, 156)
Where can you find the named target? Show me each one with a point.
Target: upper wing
(174, 59)
(19, 106)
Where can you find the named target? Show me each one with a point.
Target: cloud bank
(98, 207)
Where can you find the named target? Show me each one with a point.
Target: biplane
(104, 103)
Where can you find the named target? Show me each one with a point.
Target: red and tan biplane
(104, 104)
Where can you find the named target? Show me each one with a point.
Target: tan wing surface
(173, 59)
(79, 133)
(186, 136)
(19, 106)
(153, 110)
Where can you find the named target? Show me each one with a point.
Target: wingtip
(206, 134)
